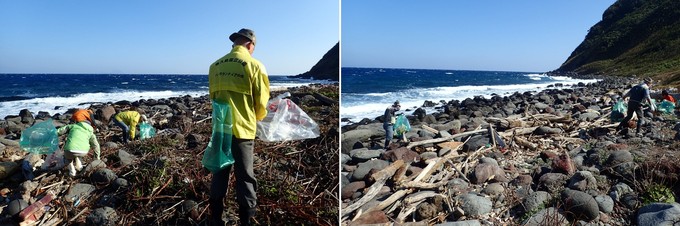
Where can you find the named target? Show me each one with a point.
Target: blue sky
(169, 37)
(518, 35)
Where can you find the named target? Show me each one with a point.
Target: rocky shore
(160, 181)
(560, 162)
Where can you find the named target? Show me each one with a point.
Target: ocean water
(56, 93)
(367, 92)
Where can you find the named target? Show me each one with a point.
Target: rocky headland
(556, 159)
(160, 181)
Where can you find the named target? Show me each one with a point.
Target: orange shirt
(669, 98)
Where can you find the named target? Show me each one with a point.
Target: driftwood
(380, 179)
(324, 99)
(437, 140)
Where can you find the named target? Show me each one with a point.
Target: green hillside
(635, 37)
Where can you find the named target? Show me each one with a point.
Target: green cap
(244, 32)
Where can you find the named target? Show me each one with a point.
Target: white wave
(48, 104)
(357, 107)
(377, 94)
(449, 73)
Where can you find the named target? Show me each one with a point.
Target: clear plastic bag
(41, 138)
(286, 121)
(217, 155)
(54, 160)
(401, 126)
(146, 131)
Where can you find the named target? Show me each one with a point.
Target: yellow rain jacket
(130, 118)
(242, 81)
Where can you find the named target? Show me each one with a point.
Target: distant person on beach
(80, 139)
(127, 121)
(241, 81)
(667, 96)
(637, 95)
(388, 122)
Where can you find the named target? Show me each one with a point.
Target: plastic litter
(54, 160)
(401, 126)
(146, 131)
(286, 121)
(41, 138)
(618, 111)
(665, 107)
(217, 155)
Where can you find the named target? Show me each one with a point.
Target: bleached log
(390, 200)
(524, 143)
(429, 129)
(430, 141)
(380, 178)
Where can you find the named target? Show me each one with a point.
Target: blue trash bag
(401, 126)
(41, 138)
(146, 131)
(217, 155)
(618, 111)
(665, 107)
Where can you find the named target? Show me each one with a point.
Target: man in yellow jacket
(241, 81)
(127, 121)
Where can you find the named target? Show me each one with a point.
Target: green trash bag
(146, 131)
(217, 155)
(618, 111)
(401, 126)
(665, 107)
(41, 138)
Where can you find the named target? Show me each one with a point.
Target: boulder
(552, 182)
(582, 181)
(535, 201)
(605, 203)
(7, 169)
(552, 213)
(373, 217)
(106, 216)
(655, 214)
(104, 114)
(349, 189)
(474, 204)
(94, 165)
(78, 191)
(125, 157)
(401, 154)
(353, 136)
(363, 168)
(103, 176)
(364, 154)
(582, 205)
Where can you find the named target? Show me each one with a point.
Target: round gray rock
(582, 181)
(581, 204)
(110, 144)
(103, 176)
(535, 200)
(539, 219)
(120, 183)
(102, 216)
(655, 214)
(552, 182)
(94, 165)
(364, 154)
(364, 167)
(16, 206)
(619, 190)
(618, 157)
(494, 189)
(605, 203)
(474, 204)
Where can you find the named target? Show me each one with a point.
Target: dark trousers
(389, 133)
(246, 184)
(632, 107)
(124, 127)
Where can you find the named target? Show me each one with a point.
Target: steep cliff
(328, 68)
(634, 37)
